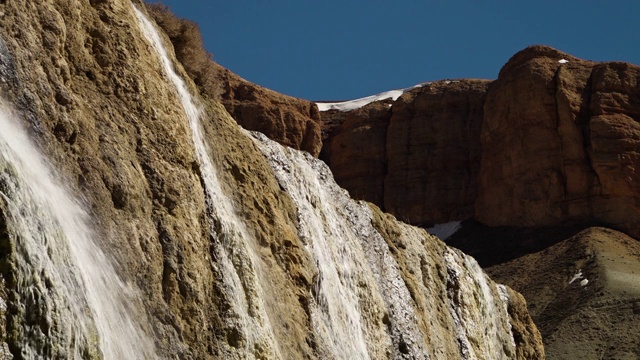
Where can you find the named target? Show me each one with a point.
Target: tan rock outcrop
(290, 121)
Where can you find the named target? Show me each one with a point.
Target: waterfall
(70, 302)
(239, 264)
(359, 284)
(361, 307)
(479, 330)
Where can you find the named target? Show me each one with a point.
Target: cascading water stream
(62, 275)
(472, 290)
(237, 260)
(336, 313)
(361, 307)
(354, 264)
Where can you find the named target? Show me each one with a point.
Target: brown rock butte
(547, 143)
(560, 143)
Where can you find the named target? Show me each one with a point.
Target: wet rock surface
(95, 97)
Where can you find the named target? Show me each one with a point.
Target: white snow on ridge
(443, 231)
(575, 277)
(358, 103)
(563, 61)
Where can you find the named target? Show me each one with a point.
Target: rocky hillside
(583, 293)
(140, 221)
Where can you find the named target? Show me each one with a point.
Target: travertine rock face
(281, 263)
(559, 143)
(290, 121)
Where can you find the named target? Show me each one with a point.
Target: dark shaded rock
(433, 152)
(417, 157)
(356, 150)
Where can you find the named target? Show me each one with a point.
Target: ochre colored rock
(290, 121)
(261, 270)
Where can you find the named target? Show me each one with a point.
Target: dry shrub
(187, 42)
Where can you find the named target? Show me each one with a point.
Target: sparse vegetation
(187, 42)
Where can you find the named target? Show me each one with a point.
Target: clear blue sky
(338, 50)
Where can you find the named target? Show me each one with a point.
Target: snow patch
(577, 276)
(563, 61)
(584, 282)
(444, 231)
(358, 103)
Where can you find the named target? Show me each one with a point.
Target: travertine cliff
(227, 244)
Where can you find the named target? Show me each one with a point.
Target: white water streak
(237, 257)
(62, 269)
(337, 314)
(354, 263)
(480, 317)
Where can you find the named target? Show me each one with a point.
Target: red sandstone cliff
(560, 143)
(548, 142)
